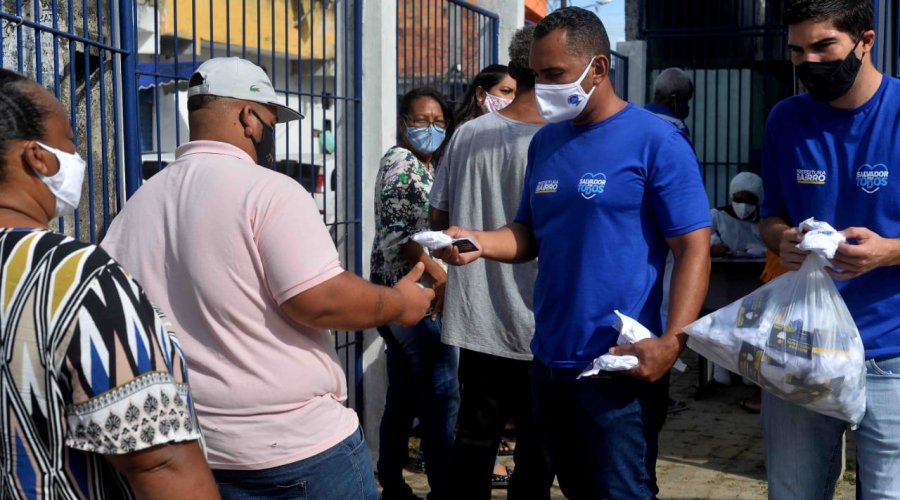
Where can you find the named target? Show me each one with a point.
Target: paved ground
(713, 450)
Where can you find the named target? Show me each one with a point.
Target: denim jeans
(803, 448)
(423, 382)
(342, 472)
(493, 389)
(601, 433)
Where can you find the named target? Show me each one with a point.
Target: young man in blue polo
(832, 153)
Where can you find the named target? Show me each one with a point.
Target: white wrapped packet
(630, 331)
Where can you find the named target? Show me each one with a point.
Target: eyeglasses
(422, 122)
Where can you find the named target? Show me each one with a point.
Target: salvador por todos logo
(871, 178)
(591, 185)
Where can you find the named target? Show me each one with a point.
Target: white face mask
(66, 183)
(562, 102)
(494, 103)
(743, 210)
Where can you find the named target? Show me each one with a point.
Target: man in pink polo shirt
(240, 259)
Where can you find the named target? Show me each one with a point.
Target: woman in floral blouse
(422, 378)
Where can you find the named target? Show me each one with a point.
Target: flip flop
(505, 449)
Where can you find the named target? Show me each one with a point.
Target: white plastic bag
(794, 337)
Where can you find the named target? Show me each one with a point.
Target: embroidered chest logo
(547, 187)
(811, 177)
(871, 178)
(591, 185)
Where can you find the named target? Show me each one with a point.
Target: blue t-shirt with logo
(601, 199)
(843, 167)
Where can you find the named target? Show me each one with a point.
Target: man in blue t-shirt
(609, 189)
(832, 154)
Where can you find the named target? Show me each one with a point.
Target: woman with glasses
(422, 372)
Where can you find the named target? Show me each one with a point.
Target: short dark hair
(197, 102)
(486, 78)
(405, 108)
(853, 17)
(585, 32)
(519, 52)
(21, 116)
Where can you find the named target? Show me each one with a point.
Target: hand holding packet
(630, 331)
(436, 240)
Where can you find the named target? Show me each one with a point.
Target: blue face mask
(426, 139)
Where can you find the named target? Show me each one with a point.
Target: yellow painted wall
(314, 38)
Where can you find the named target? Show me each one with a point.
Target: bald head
(672, 81)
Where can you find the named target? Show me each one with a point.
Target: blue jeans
(601, 433)
(342, 472)
(423, 382)
(803, 448)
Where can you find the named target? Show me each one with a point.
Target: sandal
(505, 449)
(501, 481)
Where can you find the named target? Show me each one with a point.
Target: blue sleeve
(523, 214)
(773, 198)
(676, 191)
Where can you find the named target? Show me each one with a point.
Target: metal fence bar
(619, 65)
(131, 134)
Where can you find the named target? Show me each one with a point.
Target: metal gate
(121, 68)
(74, 49)
(737, 56)
(886, 55)
(444, 44)
(618, 74)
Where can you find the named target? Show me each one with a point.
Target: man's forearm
(690, 282)
(512, 243)
(345, 302)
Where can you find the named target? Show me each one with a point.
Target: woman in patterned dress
(422, 372)
(95, 396)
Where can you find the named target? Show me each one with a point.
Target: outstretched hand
(417, 299)
(451, 254)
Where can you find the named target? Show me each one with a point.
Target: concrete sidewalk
(712, 450)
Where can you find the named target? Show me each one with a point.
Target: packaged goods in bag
(793, 336)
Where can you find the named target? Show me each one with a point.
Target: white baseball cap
(240, 79)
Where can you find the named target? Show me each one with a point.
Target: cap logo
(254, 88)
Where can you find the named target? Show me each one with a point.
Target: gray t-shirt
(488, 305)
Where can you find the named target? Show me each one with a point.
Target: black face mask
(265, 147)
(829, 80)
